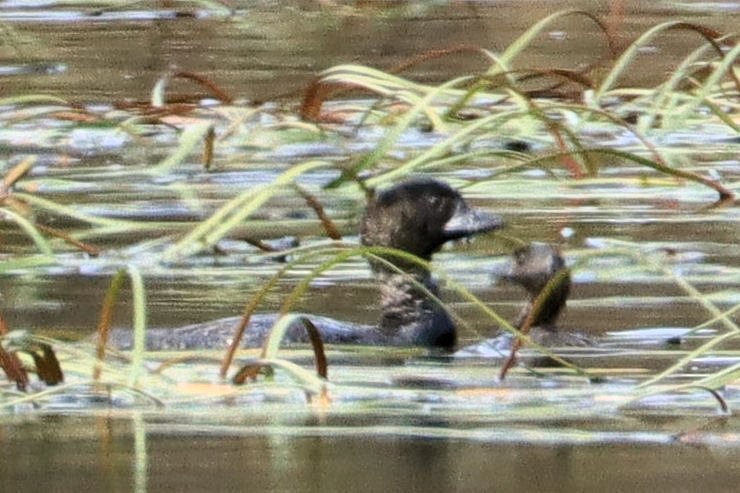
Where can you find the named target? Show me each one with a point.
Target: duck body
(416, 217)
(219, 333)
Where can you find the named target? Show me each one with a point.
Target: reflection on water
(108, 454)
(270, 51)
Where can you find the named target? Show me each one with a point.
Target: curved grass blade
(266, 287)
(59, 389)
(725, 195)
(106, 316)
(44, 358)
(391, 137)
(470, 131)
(724, 407)
(190, 138)
(277, 334)
(539, 303)
(631, 52)
(361, 77)
(726, 66)
(234, 212)
(515, 48)
(211, 86)
(33, 99)
(84, 247)
(139, 311)
(26, 262)
(467, 132)
(10, 363)
(329, 227)
(33, 233)
(47, 365)
(13, 368)
(249, 310)
(721, 378)
(722, 316)
(305, 282)
(308, 380)
(660, 100)
(16, 173)
(70, 212)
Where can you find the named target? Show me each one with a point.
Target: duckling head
(540, 269)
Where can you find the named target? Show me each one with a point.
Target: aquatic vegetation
(216, 169)
(500, 105)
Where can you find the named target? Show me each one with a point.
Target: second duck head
(417, 217)
(540, 269)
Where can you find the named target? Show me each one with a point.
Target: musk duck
(417, 217)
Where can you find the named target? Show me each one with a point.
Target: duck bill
(467, 222)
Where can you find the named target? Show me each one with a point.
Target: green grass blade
(190, 138)
(391, 137)
(727, 64)
(515, 48)
(139, 311)
(234, 212)
(33, 233)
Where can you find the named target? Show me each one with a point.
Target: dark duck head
(417, 217)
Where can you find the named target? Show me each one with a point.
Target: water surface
(397, 420)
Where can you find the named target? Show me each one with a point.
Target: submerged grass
(465, 113)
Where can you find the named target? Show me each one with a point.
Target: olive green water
(395, 422)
